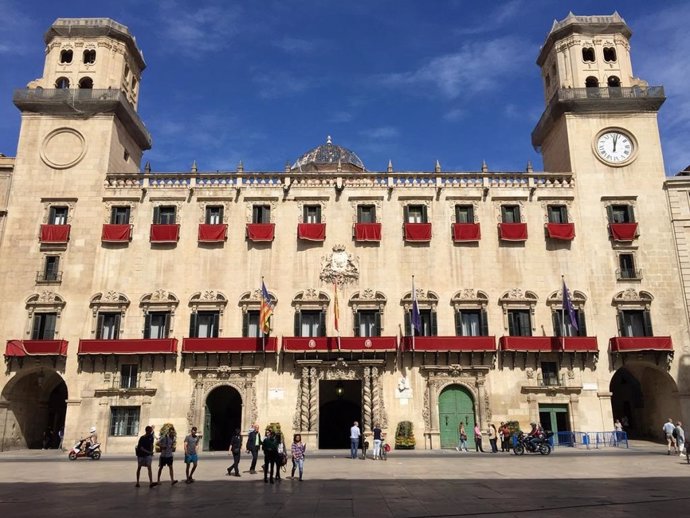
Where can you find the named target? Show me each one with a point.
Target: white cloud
(382, 132)
(277, 84)
(14, 37)
(455, 114)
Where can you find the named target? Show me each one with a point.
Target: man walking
(144, 453)
(166, 459)
(190, 453)
(253, 446)
(355, 434)
(680, 437)
(670, 441)
(235, 450)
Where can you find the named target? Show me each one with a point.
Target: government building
(133, 297)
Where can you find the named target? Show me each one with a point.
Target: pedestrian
(493, 435)
(355, 435)
(253, 446)
(617, 431)
(166, 443)
(462, 439)
(680, 437)
(478, 439)
(191, 458)
(61, 438)
(270, 448)
(376, 432)
(144, 453)
(668, 429)
(281, 454)
(298, 448)
(235, 450)
(505, 437)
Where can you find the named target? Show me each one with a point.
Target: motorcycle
(533, 444)
(93, 452)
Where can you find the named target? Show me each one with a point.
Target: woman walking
(377, 441)
(493, 435)
(281, 455)
(478, 439)
(270, 448)
(298, 448)
(462, 439)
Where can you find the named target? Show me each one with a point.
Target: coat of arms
(339, 267)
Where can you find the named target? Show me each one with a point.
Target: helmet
(92, 430)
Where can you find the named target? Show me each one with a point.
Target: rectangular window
(464, 214)
(204, 324)
(627, 266)
(549, 374)
(119, 215)
(415, 214)
(569, 330)
(368, 323)
(558, 214)
(164, 215)
(621, 214)
(635, 323)
(261, 214)
(51, 268)
(366, 214)
(510, 213)
(44, 326)
(311, 323)
(252, 324)
(124, 421)
(157, 325)
(214, 215)
(57, 216)
(129, 376)
(470, 322)
(108, 326)
(312, 213)
(519, 322)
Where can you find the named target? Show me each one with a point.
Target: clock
(615, 147)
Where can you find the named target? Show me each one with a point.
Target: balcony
(551, 384)
(634, 344)
(258, 232)
(125, 386)
(229, 345)
(512, 231)
(48, 277)
(548, 344)
(130, 346)
(116, 233)
(624, 232)
(164, 234)
(629, 274)
(560, 231)
(466, 232)
(55, 234)
(327, 344)
(24, 348)
(458, 344)
(417, 232)
(212, 233)
(311, 231)
(367, 232)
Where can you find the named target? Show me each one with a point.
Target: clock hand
(615, 139)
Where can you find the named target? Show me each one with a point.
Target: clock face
(614, 147)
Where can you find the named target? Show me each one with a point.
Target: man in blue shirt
(355, 434)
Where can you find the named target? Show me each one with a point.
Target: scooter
(93, 452)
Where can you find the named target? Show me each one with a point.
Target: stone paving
(640, 481)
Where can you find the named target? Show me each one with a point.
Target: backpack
(675, 433)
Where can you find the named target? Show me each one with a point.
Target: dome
(326, 157)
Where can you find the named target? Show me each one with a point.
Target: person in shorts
(191, 457)
(144, 451)
(166, 443)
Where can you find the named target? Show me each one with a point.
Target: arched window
(207, 314)
(62, 83)
(250, 302)
(108, 313)
(89, 56)
(518, 312)
(427, 302)
(610, 54)
(66, 56)
(44, 315)
(470, 313)
(562, 323)
(159, 313)
(613, 82)
(368, 307)
(591, 82)
(86, 83)
(311, 307)
(588, 54)
(634, 312)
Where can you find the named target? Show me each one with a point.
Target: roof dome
(326, 157)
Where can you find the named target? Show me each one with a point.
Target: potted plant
(404, 436)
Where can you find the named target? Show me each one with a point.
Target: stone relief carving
(339, 267)
(208, 379)
(249, 213)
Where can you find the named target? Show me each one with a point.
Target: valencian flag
(568, 307)
(266, 310)
(336, 308)
(416, 316)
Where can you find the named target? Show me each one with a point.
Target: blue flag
(416, 316)
(568, 307)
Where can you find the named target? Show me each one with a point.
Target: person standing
(355, 435)
(298, 448)
(680, 437)
(270, 448)
(377, 441)
(281, 454)
(493, 435)
(478, 439)
(462, 439)
(166, 443)
(505, 437)
(253, 446)
(668, 429)
(144, 451)
(235, 450)
(191, 457)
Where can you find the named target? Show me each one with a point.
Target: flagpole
(563, 298)
(263, 332)
(336, 313)
(412, 328)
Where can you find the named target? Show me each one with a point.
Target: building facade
(133, 297)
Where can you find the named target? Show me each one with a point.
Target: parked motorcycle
(92, 452)
(526, 443)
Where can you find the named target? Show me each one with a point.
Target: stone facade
(107, 295)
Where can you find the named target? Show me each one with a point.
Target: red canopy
(129, 346)
(212, 233)
(450, 343)
(260, 231)
(229, 345)
(463, 232)
(21, 348)
(311, 231)
(562, 231)
(165, 233)
(529, 344)
(623, 231)
(116, 233)
(512, 231)
(628, 344)
(301, 344)
(367, 231)
(577, 344)
(55, 233)
(417, 231)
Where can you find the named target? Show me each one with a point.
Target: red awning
(512, 231)
(578, 344)
(21, 348)
(367, 231)
(450, 343)
(165, 233)
(260, 231)
(623, 231)
(55, 233)
(417, 231)
(129, 346)
(299, 344)
(116, 233)
(463, 232)
(311, 231)
(529, 344)
(212, 233)
(229, 345)
(629, 344)
(562, 231)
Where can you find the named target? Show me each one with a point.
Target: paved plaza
(640, 481)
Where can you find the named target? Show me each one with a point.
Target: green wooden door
(455, 405)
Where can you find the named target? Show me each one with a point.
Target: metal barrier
(590, 439)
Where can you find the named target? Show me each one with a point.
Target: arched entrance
(645, 397)
(455, 406)
(340, 405)
(223, 413)
(34, 410)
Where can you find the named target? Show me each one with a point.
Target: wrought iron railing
(611, 92)
(627, 274)
(551, 381)
(67, 94)
(45, 277)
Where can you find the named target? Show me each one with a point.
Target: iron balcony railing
(611, 92)
(47, 277)
(551, 381)
(66, 94)
(629, 274)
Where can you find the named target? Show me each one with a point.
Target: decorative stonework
(499, 215)
(177, 203)
(108, 208)
(376, 203)
(56, 202)
(469, 298)
(339, 267)
(425, 300)
(311, 299)
(224, 204)
(311, 203)
(63, 148)
(475, 209)
(249, 210)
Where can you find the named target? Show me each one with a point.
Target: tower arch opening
(223, 413)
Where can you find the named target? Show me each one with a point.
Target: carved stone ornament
(339, 267)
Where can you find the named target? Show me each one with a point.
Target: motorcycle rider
(90, 439)
(535, 435)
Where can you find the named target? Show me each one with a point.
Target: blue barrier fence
(590, 439)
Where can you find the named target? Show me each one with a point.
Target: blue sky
(410, 81)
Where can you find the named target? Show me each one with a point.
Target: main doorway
(554, 418)
(223, 414)
(340, 404)
(455, 406)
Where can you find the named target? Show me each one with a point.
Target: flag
(336, 309)
(266, 310)
(416, 316)
(568, 306)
